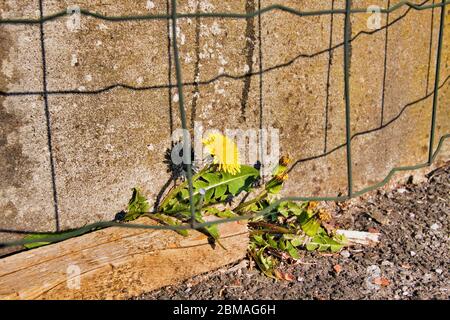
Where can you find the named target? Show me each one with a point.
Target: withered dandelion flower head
(324, 215)
(285, 160)
(224, 151)
(312, 204)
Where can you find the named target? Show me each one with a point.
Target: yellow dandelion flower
(224, 151)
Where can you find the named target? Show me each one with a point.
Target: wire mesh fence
(173, 18)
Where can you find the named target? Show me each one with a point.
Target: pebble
(427, 277)
(150, 5)
(345, 254)
(387, 263)
(434, 226)
(372, 272)
(413, 253)
(439, 271)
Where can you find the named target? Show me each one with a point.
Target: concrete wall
(104, 144)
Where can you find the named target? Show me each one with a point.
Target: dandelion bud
(312, 205)
(281, 177)
(285, 160)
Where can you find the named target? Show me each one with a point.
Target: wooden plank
(117, 263)
(360, 237)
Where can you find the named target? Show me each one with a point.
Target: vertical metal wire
(186, 138)
(386, 42)
(436, 83)
(347, 35)
(261, 90)
(330, 64)
(430, 50)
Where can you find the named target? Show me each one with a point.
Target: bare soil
(411, 262)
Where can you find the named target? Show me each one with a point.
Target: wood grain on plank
(117, 263)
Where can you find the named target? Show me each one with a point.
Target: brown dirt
(411, 262)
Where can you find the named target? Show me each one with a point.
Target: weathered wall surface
(106, 138)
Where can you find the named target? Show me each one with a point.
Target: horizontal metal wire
(354, 136)
(208, 81)
(231, 15)
(263, 213)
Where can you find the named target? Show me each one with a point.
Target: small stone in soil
(434, 226)
(387, 263)
(345, 254)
